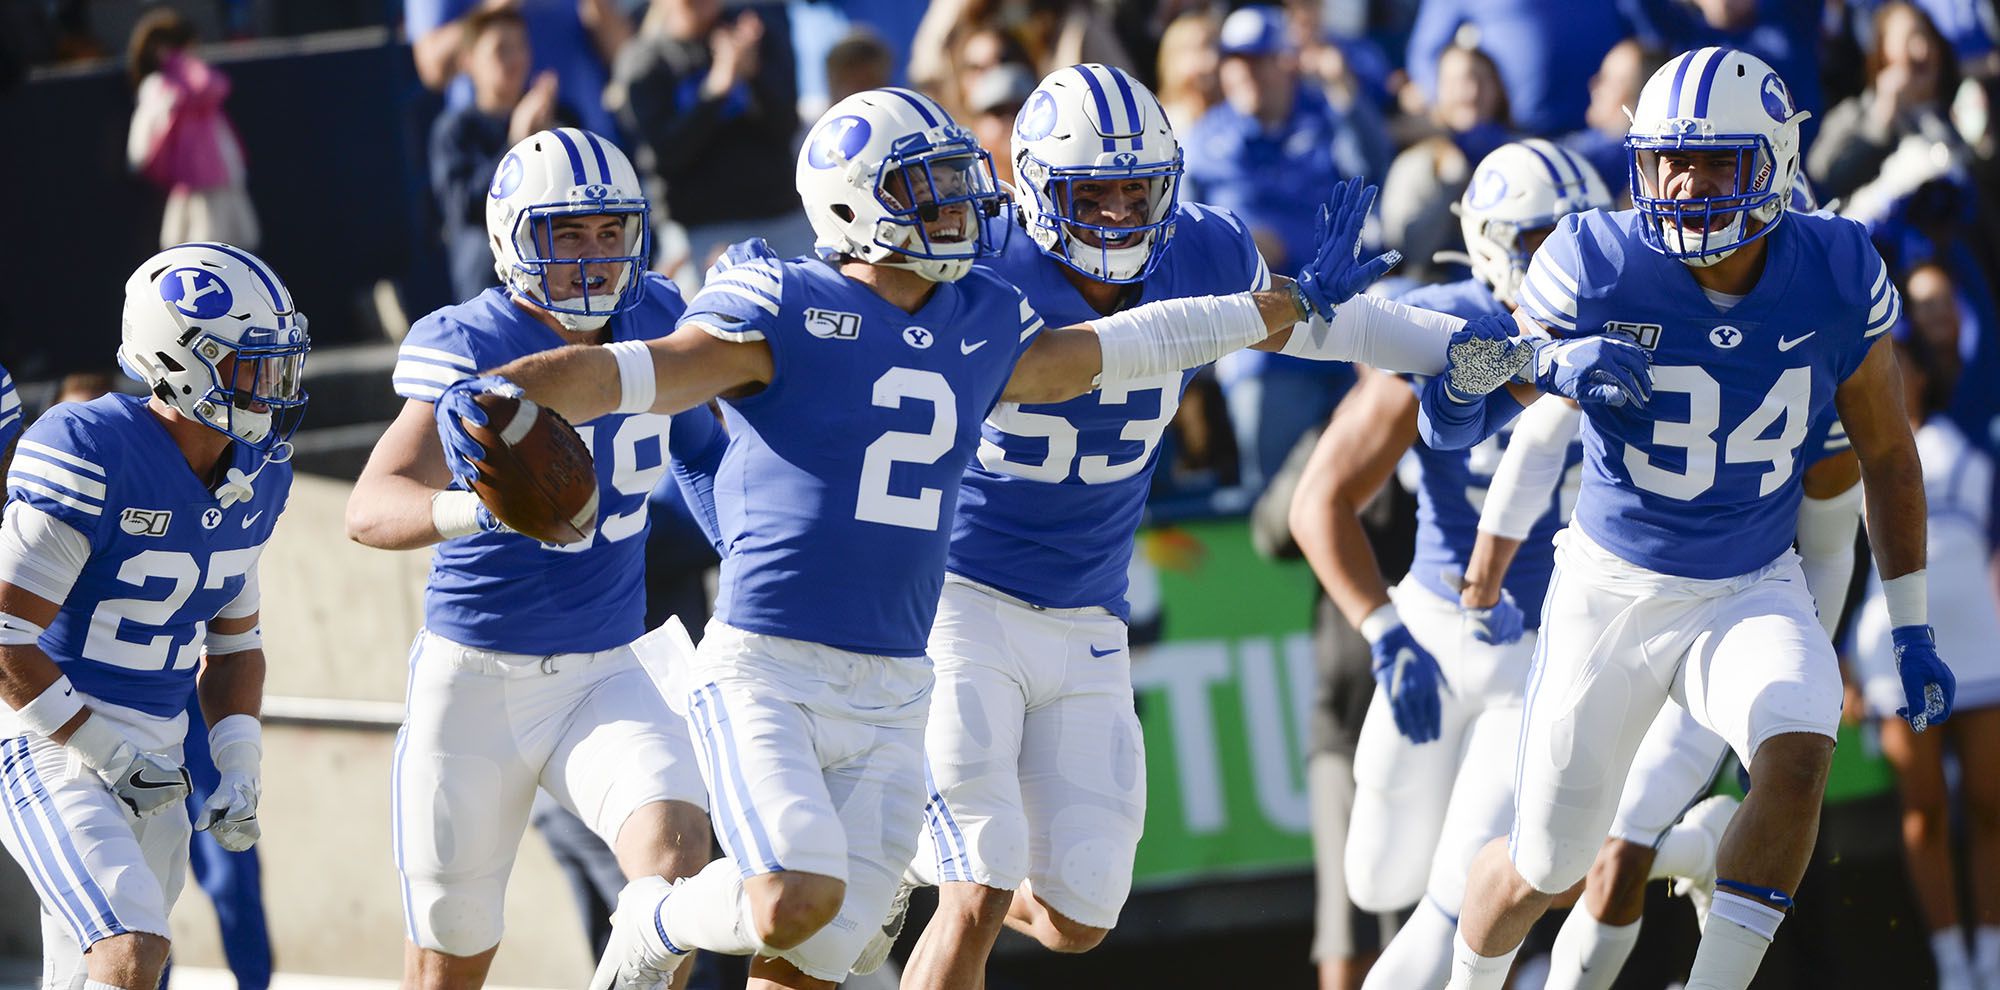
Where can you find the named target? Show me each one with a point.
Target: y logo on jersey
(919, 338)
(211, 517)
(1725, 337)
(196, 292)
(833, 324)
(145, 522)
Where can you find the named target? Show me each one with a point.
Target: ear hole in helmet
(842, 211)
(168, 360)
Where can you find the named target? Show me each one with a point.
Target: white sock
(1419, 955)
(1589, 953)
(1729, 954)
(1986, 954)
(1472, 971)
(710, 911)
(1948, 950)
(1686, 850)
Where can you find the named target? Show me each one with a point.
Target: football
(538, 476)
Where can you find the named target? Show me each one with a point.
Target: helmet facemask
(258, 391)
(1120, 253)
(543, 265)
(935, 197)
(1703, 230)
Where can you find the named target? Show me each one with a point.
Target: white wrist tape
(1379, 333)
(223, 644)
(237, 743)
(1173, 334)
(636, 383)
(455, 513)
(1379, 622)
(1531, 468)
(16, 631)
(1909, 600)
(50, 710)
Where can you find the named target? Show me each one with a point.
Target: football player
(523, 675)
(855, 387)
(1741, 323)
(10, 418)
(128, 579)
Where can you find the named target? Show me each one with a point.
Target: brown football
(538, 476)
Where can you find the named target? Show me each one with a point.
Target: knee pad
(1089, 870)
(978, 831)
(465, 921)
(1552, 863)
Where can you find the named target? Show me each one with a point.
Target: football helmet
(567, 172)
(1095, 123)
(210, 330)
(882, 165)
(1707, 101)
(1522, 187)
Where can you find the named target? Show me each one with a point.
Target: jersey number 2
(1746, 444)
(873, 502)
(103, 643)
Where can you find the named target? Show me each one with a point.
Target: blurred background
(350, 142)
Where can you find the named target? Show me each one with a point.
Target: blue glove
(1337, 271)
(1500, 624)
(1608, 371)
(453, 409)
(1928, 685)
(1482, 356)
(1411, 677)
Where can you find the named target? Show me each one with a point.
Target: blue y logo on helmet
(1038, 118)
(1777, 102)
(197, 292)
(1488, 190)
(507, 177)
(839, 140)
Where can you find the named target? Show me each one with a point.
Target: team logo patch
(211, 517)
(197, 292)
(1038, 118)
(1487, 190)
(595, 192)
(832, 324)
(1725, 337)
(145, 522)
(1777, 102)
(1646, 335)
(919, 338)
(1125, 159)
(506, 178)
(838, 141)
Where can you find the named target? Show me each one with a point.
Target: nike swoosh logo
(1786, 345)
(967, 347)
(138, 781)
(252, 518)
(1094, 651)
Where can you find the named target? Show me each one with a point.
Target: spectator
(1912, 75)
(1428, 177)
(1047, 34)
(467, 142)
(1189, 83)
(1784, 33)
(1614, 88)
(993, 103)
(712, 102)
(182, 141)
(1545, 51)
(576, 39)
(860, 61)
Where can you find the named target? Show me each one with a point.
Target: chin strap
(236, 485)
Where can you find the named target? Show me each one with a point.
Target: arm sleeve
(1549, 292)
(432, 357)
(1826, 550)
(10, 411)
(1379, 333)
(697, 443)
(743, 293)
(1885, 304)
(246, 603)
(58, 470)
(39, 553)
(1448, 425)
(1530, 470)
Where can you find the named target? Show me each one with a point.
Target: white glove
(148, 783)
(230, 816)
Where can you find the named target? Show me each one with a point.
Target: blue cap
(1257, 30)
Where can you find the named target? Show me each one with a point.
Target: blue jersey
(10, 411)
(165, 556)
(836, 493)
(1051, 503)
(1704, 483)
(502, 591)
(1451, 488)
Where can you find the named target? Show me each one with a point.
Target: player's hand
(1337, 272)
(1411, 677)
(1928, 685)
(1500, 623)
(1608, 371)
(230, 814)
(1482, 356)
(454, 408)
(147, 783)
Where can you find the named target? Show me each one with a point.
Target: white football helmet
(880, 166)
(210, 330)
(1522, 187)
(1714, 100)
(1095, 123)
(567, 172)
